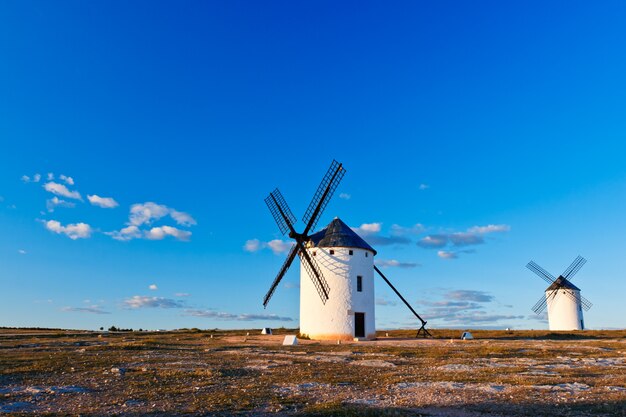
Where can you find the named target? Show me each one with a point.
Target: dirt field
(525, 373)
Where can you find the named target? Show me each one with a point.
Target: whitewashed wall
(335, 319)
(564, 312)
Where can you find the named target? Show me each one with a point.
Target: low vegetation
(196, 372)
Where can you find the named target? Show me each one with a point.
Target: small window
(332, 252)
(366, 254)
(314, 253)
(351, 252)
(359, 283)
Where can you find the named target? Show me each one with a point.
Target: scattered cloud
(66, 179)
(491, 228)
(444, 254)
(159, 233)
(470, 295)
(125, 234)
(153, 287)
(235, 317)
(465, 307)
(104, 202)
(253, 245)
(144, 301)
(381, 301)
(73, 231)
(54, 202)
(392, 263)
(61, 190)
(290, 285)
(424, 186)
(50, 176)
(34, 178)
(447, 254)
(367, 229)
(147, 213)
(182, 294)
(387, 240)
(345, 196)
(471, 237)
(91, 309)
(397, 230)
(466, 239)
(184, 219)
(433, 241)
(21, 252)
(277, 246)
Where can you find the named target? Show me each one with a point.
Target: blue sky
(181, 118)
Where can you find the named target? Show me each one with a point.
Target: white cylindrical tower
(564, 306)
(347, 263)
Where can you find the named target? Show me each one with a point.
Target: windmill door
(359, 324)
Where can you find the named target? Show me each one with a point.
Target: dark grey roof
(561, 282)
(339, 235)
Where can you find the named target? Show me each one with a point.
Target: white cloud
(61, 190)
(434, 241)
(104, 202)
(54, 202)
(68, 180)
(25, 178)
(424, 186)
(491, 228)
(36, 177)
(143, 301)
(153, 287)
(345, 196)
(466, 239)
(393, 263)
(21, 252)
(182, 294)
(73, 231)
(279, 246)
(125, 234)
(470, 295)
(94, 309)
(368, 228)
(159, 233)
(50, 176)
(447, 254)
(235, 317)
(253, 245)
(398, 230)
(148, 212)
(184, 219)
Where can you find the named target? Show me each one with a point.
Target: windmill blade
(322, 196)
(314, 272)
(543, 274)
(574, 267)
(280, 211)
(585, 304)
(281, 273)
(540, 305)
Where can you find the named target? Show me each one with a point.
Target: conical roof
(562, 283)
(338, 235)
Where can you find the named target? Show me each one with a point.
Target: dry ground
(525, 373)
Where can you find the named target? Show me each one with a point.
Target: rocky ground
(228, 373)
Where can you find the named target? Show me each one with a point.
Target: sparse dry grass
(228, 373)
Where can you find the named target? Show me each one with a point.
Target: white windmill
(337, 270)
(562, 298)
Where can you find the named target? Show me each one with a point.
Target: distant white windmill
(562, 298)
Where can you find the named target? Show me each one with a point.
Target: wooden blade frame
(322, 196)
